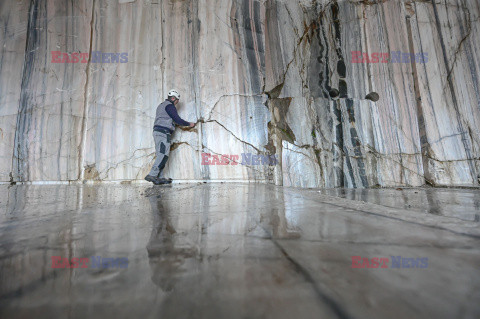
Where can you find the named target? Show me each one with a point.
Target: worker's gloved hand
(192, 124)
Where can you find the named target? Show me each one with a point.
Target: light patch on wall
(125, 1)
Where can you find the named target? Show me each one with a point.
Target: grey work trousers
(162, 149)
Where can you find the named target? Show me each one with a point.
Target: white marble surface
(255, 76)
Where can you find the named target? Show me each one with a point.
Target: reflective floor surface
(238, 251)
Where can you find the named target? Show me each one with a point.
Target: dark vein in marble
(323, 296)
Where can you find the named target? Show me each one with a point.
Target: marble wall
(259, 77)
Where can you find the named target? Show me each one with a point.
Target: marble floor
(237, 250)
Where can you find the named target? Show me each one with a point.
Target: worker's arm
(172, 112)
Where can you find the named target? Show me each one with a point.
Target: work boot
(153, 179)
(165, 180)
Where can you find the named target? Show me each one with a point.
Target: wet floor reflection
(210, 247)
(237, 250)
(170, 257)
(461, 204)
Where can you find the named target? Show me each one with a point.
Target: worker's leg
(166, 152)
(162, 149)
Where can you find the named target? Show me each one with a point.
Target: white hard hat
(174, 93)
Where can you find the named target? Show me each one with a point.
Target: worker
(163, 129)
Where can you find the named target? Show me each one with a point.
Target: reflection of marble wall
(255, 76)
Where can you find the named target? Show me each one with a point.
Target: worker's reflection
(280, 228)
(169, 256)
